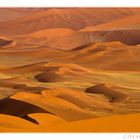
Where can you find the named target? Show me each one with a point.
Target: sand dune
(66, 18)
(125, 30)
(43, 37)
(60, 72)
(51, 33)
(59, 107)
(83, 39)
(128, 23)
(107, 90)
(100, 55)
(24, 69)
(46, 72)
(79, 98)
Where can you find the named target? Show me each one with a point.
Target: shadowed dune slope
(129, 37)
(4, 41)
(107, 90)
(18, 108)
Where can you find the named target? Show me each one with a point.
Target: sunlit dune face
(69, 70)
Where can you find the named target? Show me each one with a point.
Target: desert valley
(69, 70)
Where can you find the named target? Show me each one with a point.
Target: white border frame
(71, 136)
(69, 3)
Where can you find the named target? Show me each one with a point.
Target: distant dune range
(69, 70)
(7, 14)
(66, 18)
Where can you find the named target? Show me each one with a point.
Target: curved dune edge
(13, 122)
(47, 120)
(107, 90)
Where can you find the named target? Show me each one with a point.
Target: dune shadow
(20, 109)
(113, 95)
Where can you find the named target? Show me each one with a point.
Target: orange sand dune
(51, 33)
(59, 107)
(56, 72)
(79, 98)
(128, 23)
(72, 41)
(46, 72)
(24, 69)
(82, 39)
(66, 18)
(42, 37)
(100, 55)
